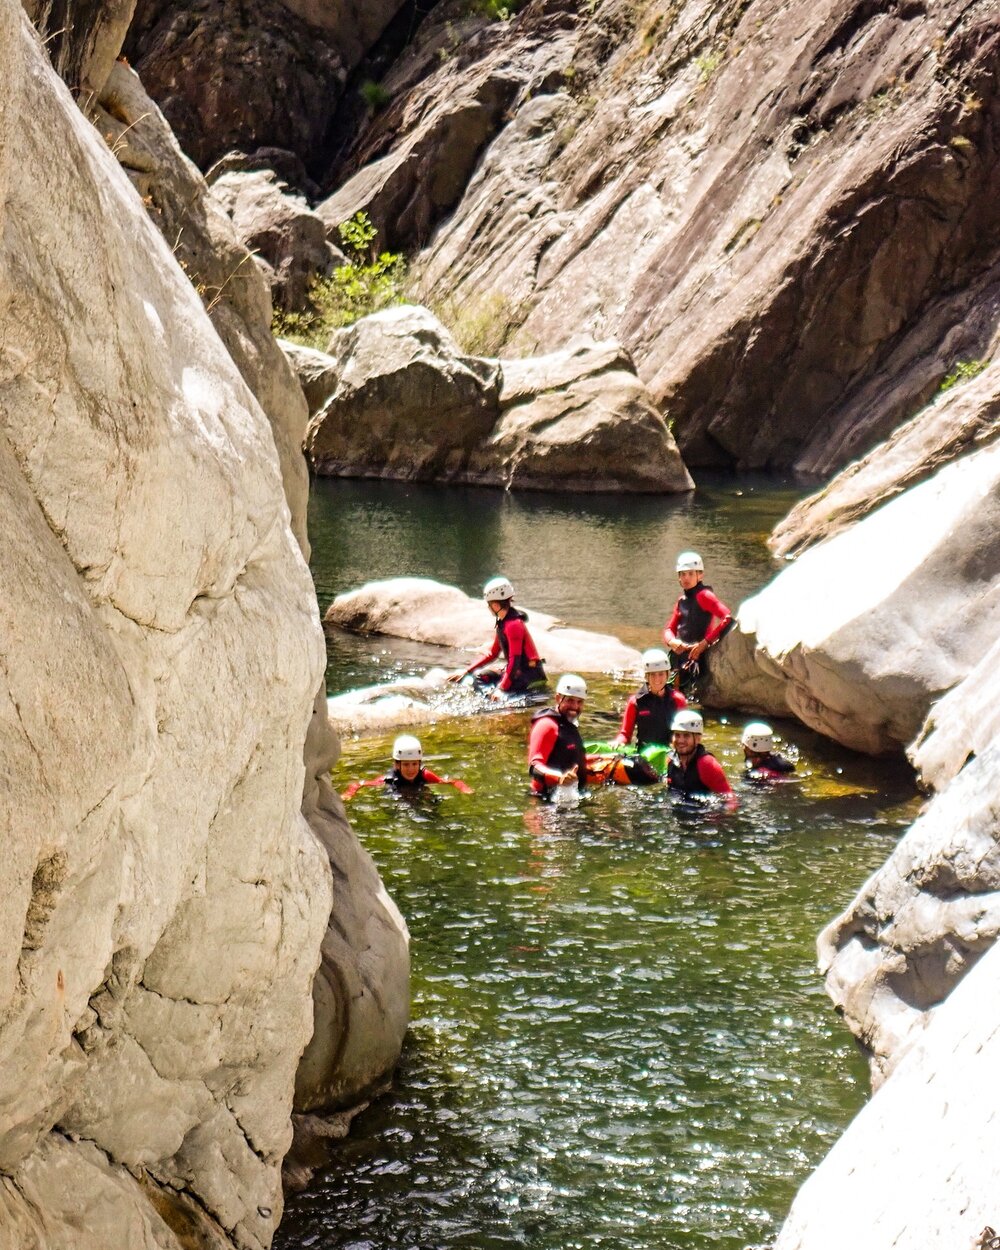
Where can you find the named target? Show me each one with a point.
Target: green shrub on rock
(369, 281)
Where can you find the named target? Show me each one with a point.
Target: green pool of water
(619, 1037)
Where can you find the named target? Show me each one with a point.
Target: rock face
(164, 900)
(786, 214)
(912, 1172)
(400, 400)
(963, 419)
(220, 268)
(428, 611)
(288, 239)
(860, 635)
(263, 73)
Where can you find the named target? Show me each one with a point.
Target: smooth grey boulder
(164, 900)
(397, 398)
(917, 1168)
(860, 635)
(408, 404)
(287, 238)
(581, 420)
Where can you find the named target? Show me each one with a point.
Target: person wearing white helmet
(762, 761)
(556, 754)
(649, 712)
(407, 775)
(693, 772)
(699, 619)
(523, 667)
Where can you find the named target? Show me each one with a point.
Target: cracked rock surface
(164, 899)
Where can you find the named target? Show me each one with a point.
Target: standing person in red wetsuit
(407, 775)
(556, 755)
(699, 619)
(523, 667)
(649, 713)
(693, 772)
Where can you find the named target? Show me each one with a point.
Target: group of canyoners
(667, 731)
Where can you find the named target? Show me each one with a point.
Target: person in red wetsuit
(762, 761)
(556, 754)
(699, 619)
(649, 713)
(693, 772)
(408, 775)
(523, 667)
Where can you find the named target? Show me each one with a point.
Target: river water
(619, 1037)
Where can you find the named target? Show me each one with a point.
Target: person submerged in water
(523, 668)
(408, 775)
(649, 713)
(556, 754)
(761, 761)
(699, 619)
(693, 772)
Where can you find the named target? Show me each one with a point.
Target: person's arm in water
(624, 735)
(434, 780)
(722, 618)
(485, 658)
(355, 786)
(544, 734)
(715, 780)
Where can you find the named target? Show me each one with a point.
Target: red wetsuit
(523, 666)
(653, 713)
(691, 620)
(396, 781)
(701, 776)
(555, 743)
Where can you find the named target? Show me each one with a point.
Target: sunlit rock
(916, 1169)
(861, 635)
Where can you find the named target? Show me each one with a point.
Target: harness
(528, 667)
(654, 715)
(396, 781)
(694, 620)
(687, 781)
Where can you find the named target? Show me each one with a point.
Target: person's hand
(461, 787)
(457, 675)
(568, 778)
(698, 649)
(676, 646)
(496, 694)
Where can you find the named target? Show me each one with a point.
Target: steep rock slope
(787, 213)
(164, 899)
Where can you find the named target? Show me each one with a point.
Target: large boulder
(164, 899)
(428, 611)
(287, 239)
(581, 420)
(860, 635)
(917, 1169)
(398, 399)
(407, 404)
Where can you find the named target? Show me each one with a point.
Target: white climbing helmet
(758, 737)
(406, 747)
(497, 588)
(571, 686)
(655, 661)
(687, 722)
(689, 561)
